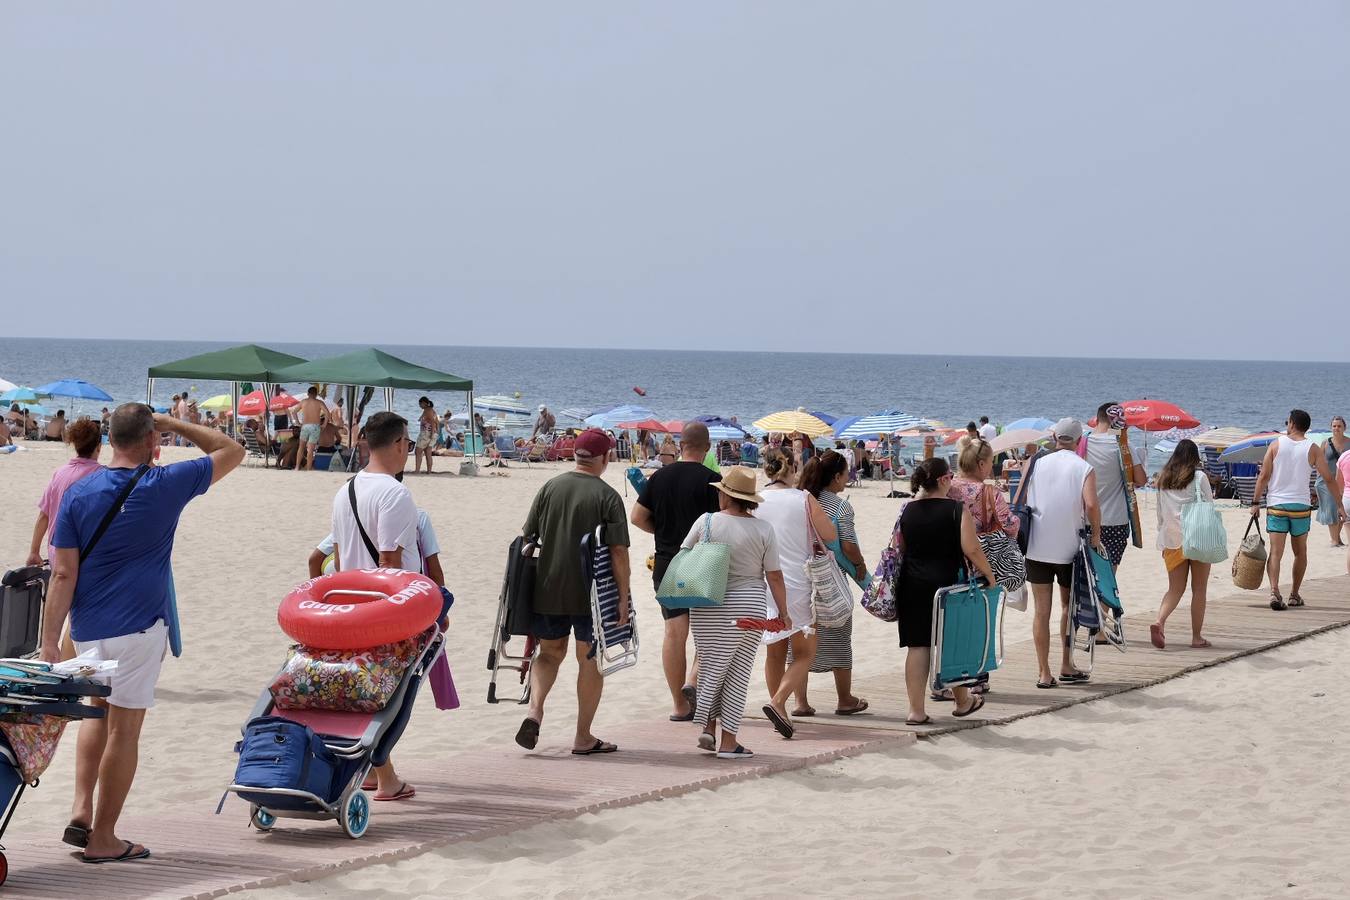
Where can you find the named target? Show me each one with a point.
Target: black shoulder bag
(1021, 510)
(112, 513)
(365, 538)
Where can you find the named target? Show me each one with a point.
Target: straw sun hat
(739, 482)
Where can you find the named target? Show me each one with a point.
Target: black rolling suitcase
(21, 594)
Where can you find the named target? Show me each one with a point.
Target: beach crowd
(108, 529)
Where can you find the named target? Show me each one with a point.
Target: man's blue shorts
(1293, 519)
(551, 628)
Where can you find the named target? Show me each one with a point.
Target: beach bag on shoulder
(697, 576)
(1005, 558)
(1249, 563)
(1203, 537)
(879, 598)
(831, 599)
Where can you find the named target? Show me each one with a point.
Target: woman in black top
(937, 536)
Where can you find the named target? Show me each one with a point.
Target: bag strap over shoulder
(1025, 480)
(365, 538)
(112, 512)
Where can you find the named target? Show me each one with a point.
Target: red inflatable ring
(360, 608)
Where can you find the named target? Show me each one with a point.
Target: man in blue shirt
(117, 597)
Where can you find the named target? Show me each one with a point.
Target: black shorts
(1114, 539)
(1048, 573)
(550, 628)
(658, 572)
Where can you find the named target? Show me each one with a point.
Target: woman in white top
(726, 651)
(1176, 490)
(787, 508)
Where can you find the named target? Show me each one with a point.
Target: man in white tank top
(1286, 483)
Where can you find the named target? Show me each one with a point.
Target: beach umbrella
(25, 396)
(1156, 415)
(75, 389)
(652, 425)
(251, 404)
(218, 403)
(1031, 422)
(826, 417)
(1016, 438)
(7, 385)
(722, 429)
(794, 420)
(1253, 449)
(610, 418)
(1222, 437)
(890, 421)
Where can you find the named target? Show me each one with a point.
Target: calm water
(687, 383)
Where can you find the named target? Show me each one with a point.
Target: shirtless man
(312, 414)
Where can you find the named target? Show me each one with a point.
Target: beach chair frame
(500, 658)
(991, 601)
(616, 646)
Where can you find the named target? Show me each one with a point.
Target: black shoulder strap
(370, 545)
(1025, 481)
(112, 513)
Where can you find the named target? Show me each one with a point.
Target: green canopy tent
(245, 363)
(377, 369)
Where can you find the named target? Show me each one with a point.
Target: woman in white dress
(794, 514)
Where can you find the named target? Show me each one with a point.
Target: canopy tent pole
(234, 410)
(473, 444)
(150, 392)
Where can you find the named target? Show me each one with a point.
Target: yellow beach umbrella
(218, 403)
(791, 420)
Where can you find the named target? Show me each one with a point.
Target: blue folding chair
(615, 646)
(967, 634)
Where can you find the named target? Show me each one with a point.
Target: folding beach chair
(616, 646)
(1094, 590)
(254, 450)
(514, 613)
(967, 634)
(507, 449)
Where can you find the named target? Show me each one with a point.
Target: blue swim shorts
(309, 434)
(1293, 519)
(551, 628)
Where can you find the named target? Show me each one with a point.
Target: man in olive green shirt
(565, 510)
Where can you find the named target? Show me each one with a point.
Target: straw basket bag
(1249, 563)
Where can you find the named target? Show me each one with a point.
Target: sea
(680, 384)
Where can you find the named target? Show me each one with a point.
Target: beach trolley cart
(615, 646)
(515, 609)
(36, 702)
(310, 763)
(1096, 608)
(967, 634)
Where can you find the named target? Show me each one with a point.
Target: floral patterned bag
(342, 680)
(33, 740)
(879, 597)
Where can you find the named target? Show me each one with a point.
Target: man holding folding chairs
(565, 510)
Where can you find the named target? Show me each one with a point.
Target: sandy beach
(1228, 767)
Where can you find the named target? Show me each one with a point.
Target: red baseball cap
(593, 442)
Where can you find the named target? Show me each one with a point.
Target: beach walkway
(485, 793)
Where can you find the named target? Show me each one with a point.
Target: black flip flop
(861, 707)
(598, 747)
(527, 735)
(687, 717)
(690, 694)
(780, 724)
(975, 707)
(128, 853)
(1075, 678)
(926, 720)
(1047, 685)
(1277, 603)
(76, 835)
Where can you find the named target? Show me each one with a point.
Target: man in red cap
(565, 510)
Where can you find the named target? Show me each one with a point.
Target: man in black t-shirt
(671, 502)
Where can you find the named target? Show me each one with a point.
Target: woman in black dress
(938, 536)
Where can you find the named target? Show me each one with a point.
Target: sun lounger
(967, 634)
(616, 646)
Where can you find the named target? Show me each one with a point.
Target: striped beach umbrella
(888, 422)
(794, 420)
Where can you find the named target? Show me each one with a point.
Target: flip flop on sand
(687, 717)
(1047, 685)
(405, 792)
(739, 753)
(527, 735)
(804, 712)
(1200, 644)
(1155, 634)
(860, 706)
(129, 852)
(924, 721)
(1295, 599)
(690, 694)
(598, 747)
(707, 741)
(76, 835)
(1277, 602)
(371, 783)
(780, 724)
(1074, 677)
(976, 705)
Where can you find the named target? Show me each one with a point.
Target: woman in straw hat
(726, 653)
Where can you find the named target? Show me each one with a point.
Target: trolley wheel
(260, 818)
(354, 816)
(4, 868)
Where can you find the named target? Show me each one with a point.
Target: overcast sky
(1058, 178)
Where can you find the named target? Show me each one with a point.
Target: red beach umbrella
(652, 425)
(251, 404)
(1157, 415)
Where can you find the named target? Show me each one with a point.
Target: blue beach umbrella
(720, 429)
(825, 417)
(1031, 422)
(888, 422)
(74, 388)
(611, 418)
(1253, 449)
(23, 395)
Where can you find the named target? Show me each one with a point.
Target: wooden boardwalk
(491, 792)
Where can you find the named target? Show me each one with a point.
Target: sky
(1067, 178)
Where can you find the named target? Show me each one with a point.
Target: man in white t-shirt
(987, 432)
(388, 516)
(1062, 494)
